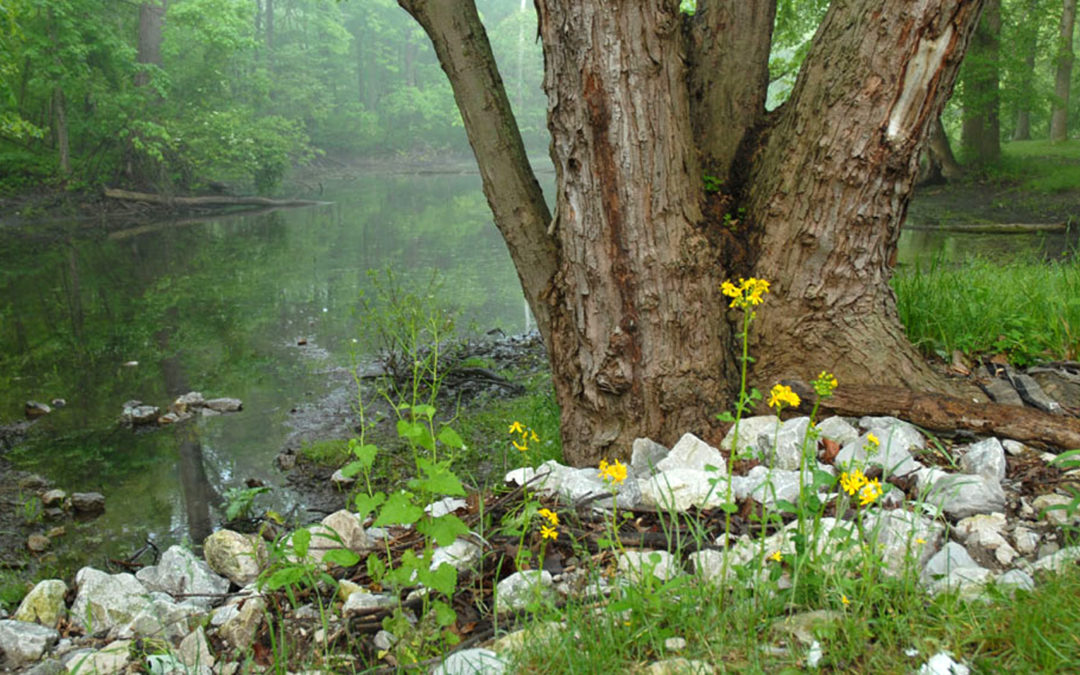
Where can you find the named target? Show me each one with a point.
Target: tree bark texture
(642, 100)
(1059, 115)
(151, 22)
(1022, 130)
(981, 131)
(938, 143)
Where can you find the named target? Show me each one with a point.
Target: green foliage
(330, 452)
(239, 501)
(1069, 461)
(1026, 310)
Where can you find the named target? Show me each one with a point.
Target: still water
(221, 307)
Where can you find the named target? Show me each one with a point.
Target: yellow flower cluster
(747, 293)
(549, 531)
(872, 444)
(526, 434)
(781, 395)
(857, 483)
(612, 473)
(825, 384)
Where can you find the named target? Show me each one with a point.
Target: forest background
(179, 96)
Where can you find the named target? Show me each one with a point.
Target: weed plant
(1027, 310)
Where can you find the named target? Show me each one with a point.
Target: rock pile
(137, 414)
(965, 524)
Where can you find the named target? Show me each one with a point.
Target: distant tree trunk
(624, 281)
(981, 130)
(1022, 131)
(63, 147)
(1059, 116)
(151, 21)
(938, 145)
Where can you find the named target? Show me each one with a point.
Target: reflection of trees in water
(198, 494)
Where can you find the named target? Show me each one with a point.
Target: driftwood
(993, 228)
(208, 200)
(937, 412)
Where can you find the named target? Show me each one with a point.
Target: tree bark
(938, 144)
(151, 22)
(625, 280)
(1059, 116)
(832, 184)
(1022, 131)
(981, 132)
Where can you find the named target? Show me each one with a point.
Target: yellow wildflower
(777, 556)
(852, 482)
(612, 473)
(747, 294)
(872, 444)
(781, 395)
(516, 428)
(825, 383)
(552, 517)
(844, 600)
(870, 492)
(533, 437)
(920, 541)
(520, 446)
(548, 532)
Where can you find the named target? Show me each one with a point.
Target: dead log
(208, 200)
(941, 413)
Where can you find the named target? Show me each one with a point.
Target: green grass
(1029, 311)
(1039, 166)
(332, 452)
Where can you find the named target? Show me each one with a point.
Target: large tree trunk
(625, 280)
(1059, 117)
(980, 135)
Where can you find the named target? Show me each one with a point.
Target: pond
(255, 307)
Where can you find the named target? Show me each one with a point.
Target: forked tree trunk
(624, 281)
(1059, 117)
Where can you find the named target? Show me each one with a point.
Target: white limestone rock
(472, 661)
(985, 458)
(951, 556)
(106, 601)
(942, 663)
(986, 531)
(785, 449)
(892, 455)
(901, 536)
(362, 601)
(520, 589)
(837, 429)
(22, 643)
(110, 659)
(1026, 541)
(960, 495)
(445, 506)
(1055, 515)
(660, 564)
(180, 572)
(462, 555)
(645, 454)
(693, 453)
(240, 629)
(679, 489)
(44, 604)
(749, 430)
(236, 556)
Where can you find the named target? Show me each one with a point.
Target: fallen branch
(208, 200)
(937, 412)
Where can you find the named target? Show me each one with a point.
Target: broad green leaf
(423, 410)
(341, 556)
(450, 438)
(301, 539)
(444, 529)
(288, 576)
(439, 479)
(399, 510)
(365, 503)
(444, 613)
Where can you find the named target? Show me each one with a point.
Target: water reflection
(220, 306)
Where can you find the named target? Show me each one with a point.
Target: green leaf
(785, 506)
(424, 410)
(725, 416)
(342, 557)
(301, 539)
(439, 480)
(288, 576)
(444, 613)
(376, 567)
(365, 454)
(399, 510)
(729, 507)
(365, 504)
(409, 430)
(443, 579)
(444, 529)
(450, 438)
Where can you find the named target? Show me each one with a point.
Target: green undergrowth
(894, 627)
(1039, 166)
(1027, 310)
